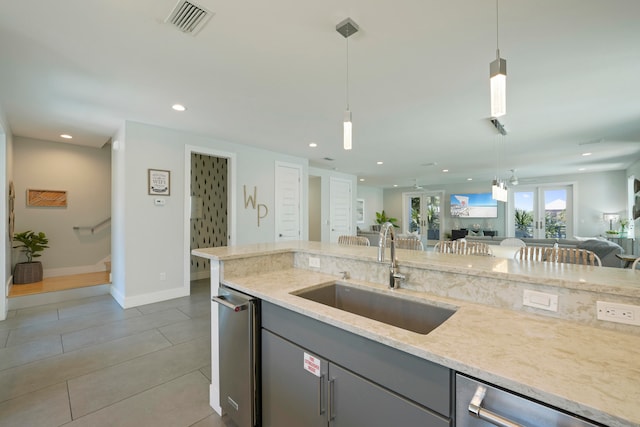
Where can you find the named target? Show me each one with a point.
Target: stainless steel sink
(393, 310)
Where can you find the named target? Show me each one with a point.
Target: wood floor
(60, 283)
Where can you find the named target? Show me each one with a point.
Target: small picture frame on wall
(159, 182)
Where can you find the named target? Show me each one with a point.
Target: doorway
(543, 212)
(209, 204)
(422, 215)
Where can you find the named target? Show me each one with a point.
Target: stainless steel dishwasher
(482, 405)
(238, 319)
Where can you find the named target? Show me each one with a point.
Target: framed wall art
(46, 198)
(159, 182)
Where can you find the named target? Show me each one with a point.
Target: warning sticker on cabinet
(312, 364)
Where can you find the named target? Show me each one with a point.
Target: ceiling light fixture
(379, 163)
(179, 107)
(313, 145)
(498, 187)
(586, 154)
(498, 79)
(347, 28)
(66, 136)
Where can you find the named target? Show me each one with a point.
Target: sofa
(605, 249)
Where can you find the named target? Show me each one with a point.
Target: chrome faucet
(394, 277)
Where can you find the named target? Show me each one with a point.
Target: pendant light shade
(347, 131)
(498, 79)
(347, 28)
(499, 191)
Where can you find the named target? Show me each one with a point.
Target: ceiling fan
(416, 186)
(514, 179)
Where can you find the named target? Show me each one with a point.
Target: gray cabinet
(293, 396)
(360, 382)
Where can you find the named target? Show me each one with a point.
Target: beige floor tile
(213, 420)
(121, 328)
(98, 389)
(178, 403)
(33, 350)
(42, 408)
(187, 330)
(62, 326)
(36, 375)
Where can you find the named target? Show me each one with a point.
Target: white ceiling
(272, 75)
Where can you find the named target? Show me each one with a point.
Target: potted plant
(623, 227)
(381, 218)
(31, 244)
(523, 219)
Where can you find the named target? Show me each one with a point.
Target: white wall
(154, 239)
(6, 167)
(85, 174)
(325, 176)
(373, 202)
(315, 208)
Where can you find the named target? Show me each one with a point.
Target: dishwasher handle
(222, 300)
(476, 409)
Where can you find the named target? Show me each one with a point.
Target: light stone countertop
(584, 370)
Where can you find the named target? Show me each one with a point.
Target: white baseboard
(214, 399)
(135, 301)
(58, 296)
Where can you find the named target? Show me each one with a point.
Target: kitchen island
(565, 358)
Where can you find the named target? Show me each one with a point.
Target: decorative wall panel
(209, 220)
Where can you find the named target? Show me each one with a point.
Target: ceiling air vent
(189, 17)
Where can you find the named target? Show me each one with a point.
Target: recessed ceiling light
(65, 136)
(586, 154)
(469, 179)
(313, 145)
(395, 185)
(445, 170)
(582, 169)
(178, 107)
(361, 179)
(379, 163)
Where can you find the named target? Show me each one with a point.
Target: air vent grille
(188, 17)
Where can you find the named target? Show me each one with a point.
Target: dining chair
(353, 240)
(558, 255)
(636, 264)
(462, 247)
(411, 243)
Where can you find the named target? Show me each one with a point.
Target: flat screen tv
(476, 205)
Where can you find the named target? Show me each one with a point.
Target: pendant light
(347, 28)
(498, 187)
(498, 79)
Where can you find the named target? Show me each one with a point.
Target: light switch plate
(314, 262)
(540, 300)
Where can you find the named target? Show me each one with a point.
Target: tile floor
(88, 362)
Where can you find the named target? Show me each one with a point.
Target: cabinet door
(291, 395)
(356, 402)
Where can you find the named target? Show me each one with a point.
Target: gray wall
(85, 174)
(6, 167)
(148, 241)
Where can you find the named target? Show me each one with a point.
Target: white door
(288, 209)
(422, 214)
(544, 212)
(340, 208)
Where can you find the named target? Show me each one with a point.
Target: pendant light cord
(497, 33)
(347, 82)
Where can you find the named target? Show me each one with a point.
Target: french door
(422, 214)
(543, 212)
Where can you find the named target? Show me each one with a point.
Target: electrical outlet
(620, 313)
(163, 276)
(314, 262)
